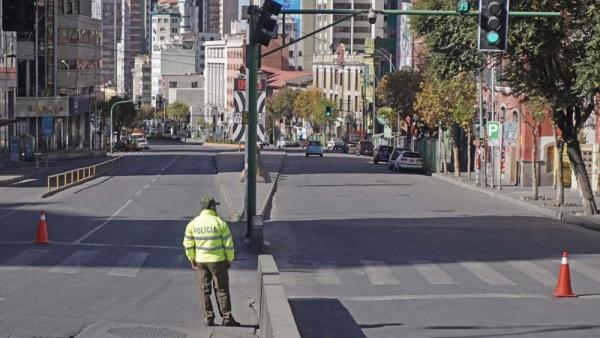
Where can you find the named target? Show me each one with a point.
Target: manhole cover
(146, 332)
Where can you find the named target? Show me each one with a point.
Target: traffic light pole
(111, 122)
(252, 125)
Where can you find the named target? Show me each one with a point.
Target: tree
(398, 91)
(449, 104)
(558, 59)
(281, 105)
(146, 112)
(451, 40)
(124, 115)
(389, 115)
(310, 105)
(178, 111)
(537, 113)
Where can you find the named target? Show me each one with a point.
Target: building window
(172, 84)
(349, 103)
(69, 8)
(166, 20)
(291, 53)
(356, 103)
(195, 84)
(76, 7)
(173, 30)
(299, 53)
(159, 20)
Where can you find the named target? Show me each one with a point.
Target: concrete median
(275, 317)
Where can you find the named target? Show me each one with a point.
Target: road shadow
(324, 317)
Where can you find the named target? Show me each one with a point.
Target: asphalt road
(367, 252)
(115, 266)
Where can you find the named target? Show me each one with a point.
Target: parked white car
(409, 160)
(284, 143)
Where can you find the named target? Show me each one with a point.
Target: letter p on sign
(493, 129)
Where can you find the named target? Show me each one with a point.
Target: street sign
(47, 125)
(493, 132)
(509, 137)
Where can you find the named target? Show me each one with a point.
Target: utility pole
(253, 12)
(35, 57)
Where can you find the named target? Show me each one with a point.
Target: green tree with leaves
(281, 107)
(535, 114)
(124, 115)
(398, 91)
(449, 103)
(310, 105)
(558, 59)
(178, 111)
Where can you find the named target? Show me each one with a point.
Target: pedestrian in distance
(209, 246)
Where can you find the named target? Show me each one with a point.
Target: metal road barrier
(275, 317)
(67, 179)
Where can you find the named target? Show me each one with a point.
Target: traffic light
(266, 27)
(493, 25)
(328, 111)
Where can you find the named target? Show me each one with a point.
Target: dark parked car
(364, 147)
(382, 153)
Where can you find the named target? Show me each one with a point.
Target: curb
(266, 214)
(233, 217)
(581, 221)
(5, 183)
(530, 207)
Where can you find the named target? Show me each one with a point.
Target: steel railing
(64, 180)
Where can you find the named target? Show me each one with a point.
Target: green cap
(208, 203)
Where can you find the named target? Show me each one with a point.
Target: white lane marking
(379, 273)
(325, 273)
(585, 270)
(24, 258)
(154, 180)
(534, 271)
(432, 272)
(129, 265)
(446, 296)
(75, 262)
(91, 232)
(139, 192)
(146, 186)
(486, 273)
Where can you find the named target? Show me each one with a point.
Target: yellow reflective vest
(208, 239)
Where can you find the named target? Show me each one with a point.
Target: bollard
(256, 236)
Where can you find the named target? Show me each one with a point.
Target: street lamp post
(111, 121)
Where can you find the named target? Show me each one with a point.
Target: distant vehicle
(335, 144)
(364, 147)
(143, 143)
(409, 160)
(314, 148)
(382, 153)
(153, 131)
(397, 151)
(284, 143)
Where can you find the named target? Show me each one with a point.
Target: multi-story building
(228, 12)
(215, 85)
(132, 42)
(353, 33)
(188, 89)
(347, 80)
(174, 60)
(165, 28)
(299, 54)
(142, 77)
(8, 83)
(201, 39)
(67, 77)
(111, 35)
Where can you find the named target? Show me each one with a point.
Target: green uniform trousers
(217, 273)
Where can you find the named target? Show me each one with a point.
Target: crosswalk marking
(379, 273)
(24, 258)
(486, 273)
(432, 272)
(325, 273)
(75, 262)
(534, 271)
(129, 265)
(585, 270)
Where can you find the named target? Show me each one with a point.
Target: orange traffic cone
(42, 231)
(563, 288)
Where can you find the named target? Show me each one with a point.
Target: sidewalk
(233, 186)
(13, 173)
(570, 212)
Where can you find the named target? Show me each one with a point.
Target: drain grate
(146, 332)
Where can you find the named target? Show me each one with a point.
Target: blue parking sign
(47, 125)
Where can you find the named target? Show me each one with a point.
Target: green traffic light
(493, 38)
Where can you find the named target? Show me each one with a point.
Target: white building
(170, 61)
(215, 80)
(353, 32)
(165, 29)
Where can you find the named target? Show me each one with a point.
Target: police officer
(208, 245)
